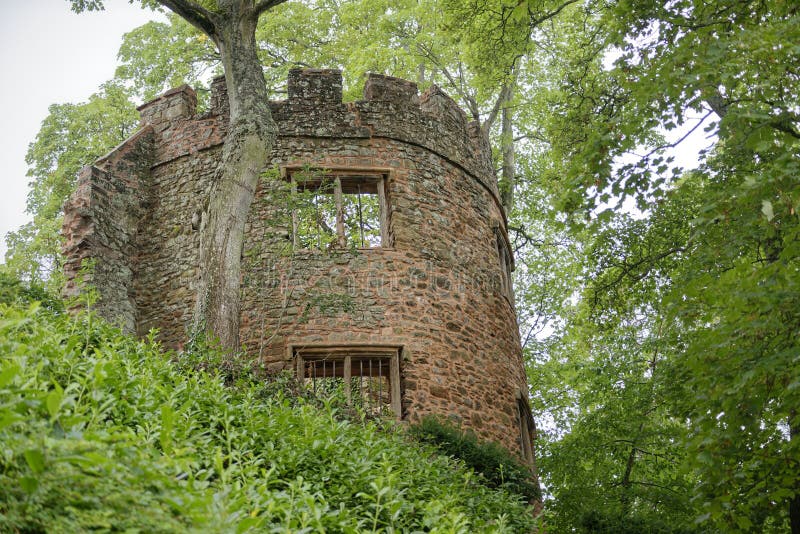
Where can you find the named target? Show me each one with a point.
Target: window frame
(347, 354)
(506, 262)
(527, 430)
(372, 175)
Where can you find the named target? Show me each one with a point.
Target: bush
(14, 291)
(104, 433)
(498, 467)
(596, 522)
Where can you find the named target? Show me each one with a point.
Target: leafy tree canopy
(71, 136)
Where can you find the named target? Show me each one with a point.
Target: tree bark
(508, 154)
(251, 136)
(507, 147)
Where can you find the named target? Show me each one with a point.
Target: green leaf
(35, 460)
(9, 418)
(29, 484)
(703, 518)
(766, 209)
(53, 401)
(8, 374)
(246, 524)
(167, 422)
(744, 523)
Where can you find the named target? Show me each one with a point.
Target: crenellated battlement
(320, 87)
(391, 108)
(174, 105)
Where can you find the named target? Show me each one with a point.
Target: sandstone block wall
(434, 288)
(101, 222)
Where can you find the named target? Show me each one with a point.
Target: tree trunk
(626, 482)
(508, 154)
(250, 139)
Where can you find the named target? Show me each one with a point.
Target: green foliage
(614, 448)
(101, 432)
(704, 276)
(158, 56)
(601, 522)
(499, 468)
(71, 136)
(14, 291)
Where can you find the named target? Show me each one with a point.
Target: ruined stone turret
(375, 253)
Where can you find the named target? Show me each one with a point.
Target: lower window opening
(365, 381)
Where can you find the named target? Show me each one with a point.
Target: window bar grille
(318, 217)
(380, 388)
(360, 217)
(371, 386)
(341, 237)
(361, 381)
(346, 372)
(314, 377)
(323, 379)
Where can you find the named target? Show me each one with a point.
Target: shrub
(101, 432)
(499, 468)
(14, 291)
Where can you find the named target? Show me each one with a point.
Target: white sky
(48, 54)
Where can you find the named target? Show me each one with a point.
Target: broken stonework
(431, 287)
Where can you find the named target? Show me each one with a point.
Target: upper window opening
(338, 209)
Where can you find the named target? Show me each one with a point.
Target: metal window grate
(364, 382)
(367, 381)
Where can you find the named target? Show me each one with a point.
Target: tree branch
(784, 124)
(528, 239)
(651, 485)
(194, 14)
(425, 51)
(535, 23)
(684, 136)
(504, 96)
(718, 104)
(265, 5)
(626, 269)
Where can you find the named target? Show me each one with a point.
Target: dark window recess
(339, 210)
(365, 378)
(526, 429)
(506, 266)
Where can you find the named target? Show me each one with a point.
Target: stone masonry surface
(433, 288)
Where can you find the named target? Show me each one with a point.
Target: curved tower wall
(434, 290)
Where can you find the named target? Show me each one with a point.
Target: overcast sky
(48, 55)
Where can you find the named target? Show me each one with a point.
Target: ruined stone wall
(100, 225)
(434, 289)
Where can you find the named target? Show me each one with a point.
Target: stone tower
(376, 252)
